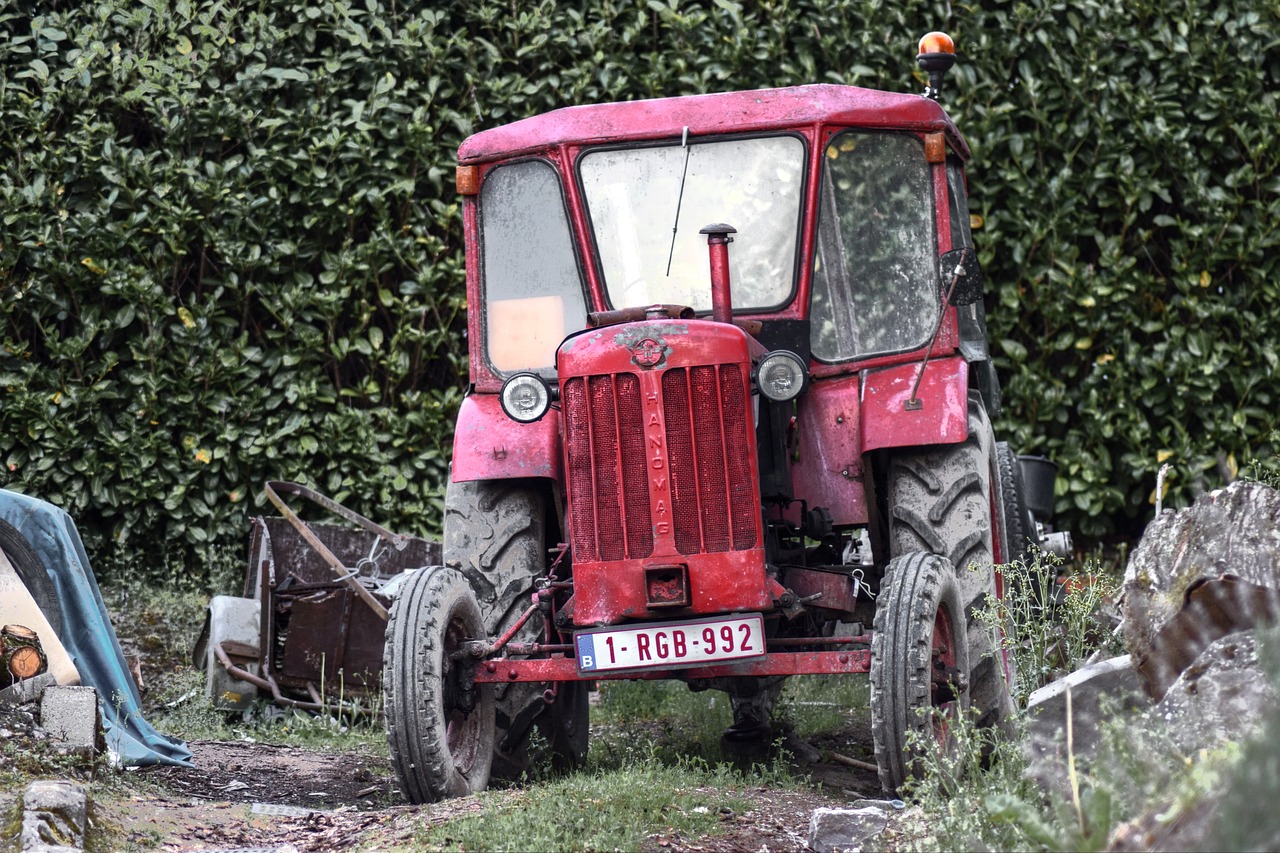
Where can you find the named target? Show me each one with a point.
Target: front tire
(440, 727)
(919, 660)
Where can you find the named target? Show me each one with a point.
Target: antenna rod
(684, 143)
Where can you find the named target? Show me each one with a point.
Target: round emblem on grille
(647, 352)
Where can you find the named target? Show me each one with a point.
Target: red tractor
(723, 454)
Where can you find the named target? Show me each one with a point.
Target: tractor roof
(731, 112)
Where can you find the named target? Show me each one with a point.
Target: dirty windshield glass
(636, 196)
(875, 272)
(532, 286)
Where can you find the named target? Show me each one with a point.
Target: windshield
(636, 197)
(875, 272)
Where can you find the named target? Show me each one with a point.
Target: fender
(488, 445)
(943, 417)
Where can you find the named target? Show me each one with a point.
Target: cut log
(21, 655)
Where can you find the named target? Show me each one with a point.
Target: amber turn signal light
(467, 180)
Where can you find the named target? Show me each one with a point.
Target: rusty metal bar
(278, 697)
(341, 571)
(505, 670)
(539, 648)
(497, 644)
(791, 642)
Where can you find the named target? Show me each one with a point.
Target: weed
(974, 795)
(600, 809)
(680, 723)
(1050, 622)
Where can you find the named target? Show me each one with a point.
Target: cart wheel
(439, 725)
(919, 662)
(31, 572)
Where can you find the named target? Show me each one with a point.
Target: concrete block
(53, 817)
(71, 714)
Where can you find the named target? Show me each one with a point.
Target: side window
(960, 233)
(972, 318)
(875, 274)
(530, 276)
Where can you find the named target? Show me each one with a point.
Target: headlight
(525, 397)
(782, 376)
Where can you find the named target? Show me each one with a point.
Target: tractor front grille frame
(695, 471)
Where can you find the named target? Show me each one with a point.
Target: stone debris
(53, 817)
(1199, 574)
(1099, 692)
(1220, 698)
(833, 830)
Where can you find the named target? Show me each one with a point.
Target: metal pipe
(718, 241)
(789, 642)
(497, 644)
(276, 696)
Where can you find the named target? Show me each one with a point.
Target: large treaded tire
(1018, 523)
(495, 535)
(946, 500)
(918, 623)
(32, 573)
(439, 749)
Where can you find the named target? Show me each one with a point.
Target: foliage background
(231, 250)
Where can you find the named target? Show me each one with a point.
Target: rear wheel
(495, 536)
(919, 660)
(1018, 523)
(31, 572)
(439, 723)
(946, 500)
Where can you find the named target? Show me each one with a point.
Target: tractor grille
(712, 498)
(608, 489)
(708, 466)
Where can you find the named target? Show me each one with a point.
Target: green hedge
(231, 250)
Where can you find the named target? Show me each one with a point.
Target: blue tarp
(87, 633)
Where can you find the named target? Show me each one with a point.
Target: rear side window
(530, 275)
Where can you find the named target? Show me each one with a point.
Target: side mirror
(962, 276)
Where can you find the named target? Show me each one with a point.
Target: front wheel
(440, 725)
(919, 662)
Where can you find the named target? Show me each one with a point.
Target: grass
(657, 768)
(616, 807)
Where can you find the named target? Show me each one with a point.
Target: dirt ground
(252, 795)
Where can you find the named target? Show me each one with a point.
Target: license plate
(669, 644)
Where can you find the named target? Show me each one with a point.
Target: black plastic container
(1038, 476)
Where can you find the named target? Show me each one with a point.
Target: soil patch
(242, 794)
(284, 775)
